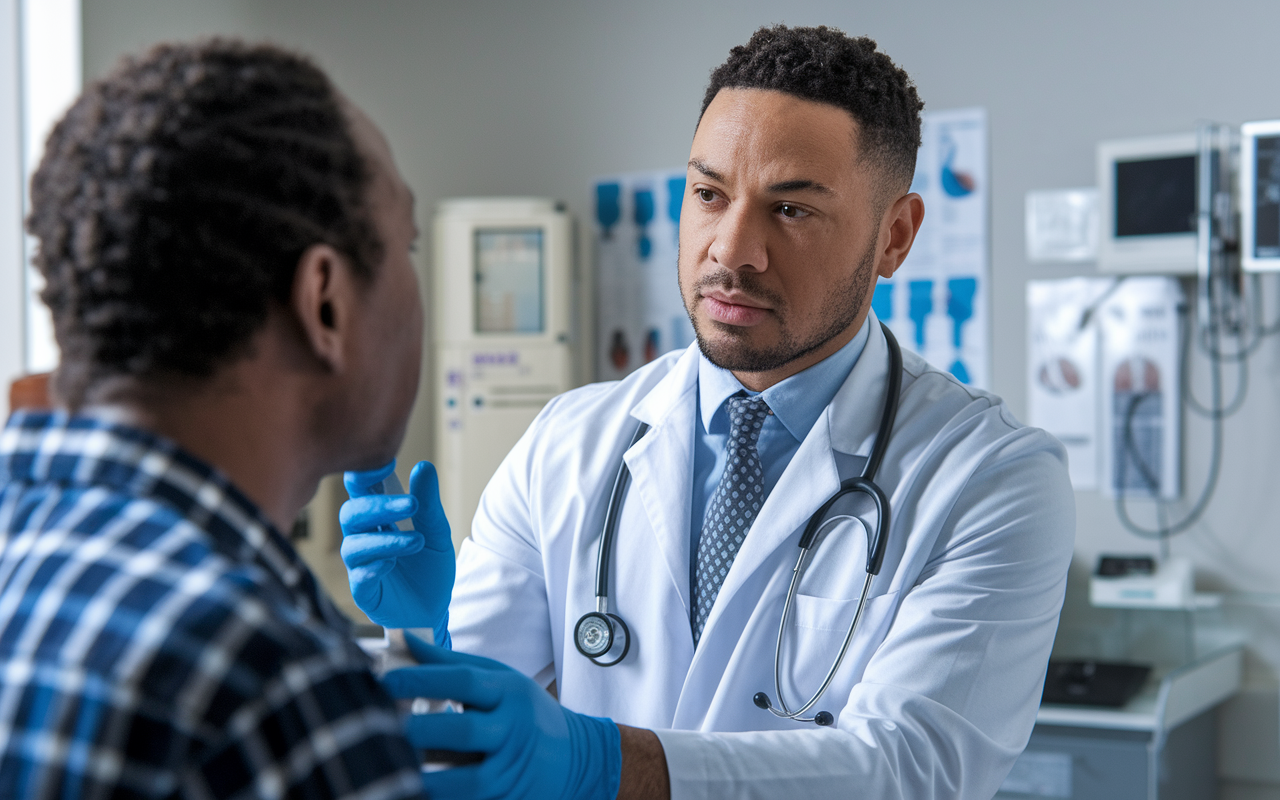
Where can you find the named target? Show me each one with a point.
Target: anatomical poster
(1104, 377)
(1141, 386)
(639, 313)
(1062, 368)
(937, 302)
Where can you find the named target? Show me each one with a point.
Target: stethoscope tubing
(785, 712)
(876, 545)
(620, 485)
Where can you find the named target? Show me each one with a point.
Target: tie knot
(746, 417)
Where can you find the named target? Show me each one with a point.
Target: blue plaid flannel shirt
(159, 638)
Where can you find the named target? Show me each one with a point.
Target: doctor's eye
(792, 212)
(706, 195)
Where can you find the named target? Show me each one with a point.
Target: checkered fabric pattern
(159, 638)
(733, 508)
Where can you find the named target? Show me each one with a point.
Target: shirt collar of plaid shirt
(89, 451)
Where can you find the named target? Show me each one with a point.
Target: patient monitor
(1260, 195)
(1147, 205)
(503, 297)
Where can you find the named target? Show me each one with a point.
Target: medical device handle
(611, 520)
(890, 413)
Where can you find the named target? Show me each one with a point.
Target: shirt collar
(87, 451)
(797, 402)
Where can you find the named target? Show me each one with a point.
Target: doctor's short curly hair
(175, 199)
(825, 65)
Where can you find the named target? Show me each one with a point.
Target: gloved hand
(533, 747)
(401, 579)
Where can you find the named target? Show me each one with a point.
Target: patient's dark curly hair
(824, 65)
(175, 199)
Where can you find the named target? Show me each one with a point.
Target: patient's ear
(322, 302)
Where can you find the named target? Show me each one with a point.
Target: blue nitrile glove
(533, 747)
(401, 579)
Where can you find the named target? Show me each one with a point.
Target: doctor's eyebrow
(705, 170)
(782, 187)
(799, 185)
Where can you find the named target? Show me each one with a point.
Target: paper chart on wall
(937, 303)
(639, 313)
(1063, 394)
(1104, 377)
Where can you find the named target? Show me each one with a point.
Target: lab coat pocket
(816, 632)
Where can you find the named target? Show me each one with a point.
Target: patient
(225, 243)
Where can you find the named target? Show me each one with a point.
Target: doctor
(797, 200)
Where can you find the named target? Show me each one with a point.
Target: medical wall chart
(639, 313)
(1141, 384)
(1063, 394)
(1104, 377)
(936, 304)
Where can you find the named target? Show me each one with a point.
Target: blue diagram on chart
(920, 308)
(608, 207)
(644, 216)
(675, 202)
(882, 302)
(955, 183)
(640, 314)
(934, 317)
(940, 310)
(960, 296)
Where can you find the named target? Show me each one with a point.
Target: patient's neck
(246, 420)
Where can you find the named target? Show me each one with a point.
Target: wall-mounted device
(503, 298)
(1260, 195)
(1147, 205)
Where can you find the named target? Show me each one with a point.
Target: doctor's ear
(322, 302)
(898, 229)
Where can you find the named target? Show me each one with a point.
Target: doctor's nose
(739, 242)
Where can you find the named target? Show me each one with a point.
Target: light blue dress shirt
(796, 403)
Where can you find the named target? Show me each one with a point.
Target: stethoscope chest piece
(604, 638)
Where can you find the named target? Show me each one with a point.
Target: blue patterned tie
(733, 508)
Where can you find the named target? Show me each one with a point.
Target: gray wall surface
(12, 296)
(508, 97)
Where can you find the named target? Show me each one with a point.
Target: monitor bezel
(1249, 133)
(1166, 254)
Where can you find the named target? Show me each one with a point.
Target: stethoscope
(605, 639)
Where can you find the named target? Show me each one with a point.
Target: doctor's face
(783, 232)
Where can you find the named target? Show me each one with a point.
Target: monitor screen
(1155, 196)
(509, 281)
(1266, 199)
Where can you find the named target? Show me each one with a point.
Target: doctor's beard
(843, 303)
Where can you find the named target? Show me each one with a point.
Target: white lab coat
(939, 690)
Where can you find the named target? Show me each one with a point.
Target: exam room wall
(511, 97)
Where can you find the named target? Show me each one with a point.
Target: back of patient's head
(827, 66)
(174, 201)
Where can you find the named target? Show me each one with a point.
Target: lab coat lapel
(857, 406)
(661, 466)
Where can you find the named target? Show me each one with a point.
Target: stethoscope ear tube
(877, 539)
